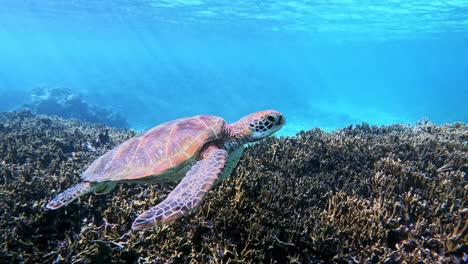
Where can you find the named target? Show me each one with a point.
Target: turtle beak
(281, 120)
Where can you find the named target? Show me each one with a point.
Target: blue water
(324, 64)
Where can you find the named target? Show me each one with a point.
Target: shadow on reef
(357, 195)
(68, 104)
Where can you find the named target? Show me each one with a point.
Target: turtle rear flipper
(189, 193)
(70, 194)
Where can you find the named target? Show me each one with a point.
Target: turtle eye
(270, 118)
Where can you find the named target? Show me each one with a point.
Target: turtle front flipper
(189, 193)
(70, 195)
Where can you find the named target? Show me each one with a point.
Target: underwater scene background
(324, 64)
(371, 166)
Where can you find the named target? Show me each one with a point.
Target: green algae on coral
(359, 194)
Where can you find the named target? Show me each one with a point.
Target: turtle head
(256, 126)
(263, 124)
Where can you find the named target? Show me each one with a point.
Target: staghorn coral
(360, 194)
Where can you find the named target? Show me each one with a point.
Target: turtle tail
(70, 194)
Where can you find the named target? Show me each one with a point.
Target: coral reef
(393, 194)
(68, 104)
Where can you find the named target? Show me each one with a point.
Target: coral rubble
(357, 195)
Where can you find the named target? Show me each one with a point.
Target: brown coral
(359, 194)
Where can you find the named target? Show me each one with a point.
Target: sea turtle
(202, 148)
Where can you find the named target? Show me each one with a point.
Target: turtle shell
(159, 151)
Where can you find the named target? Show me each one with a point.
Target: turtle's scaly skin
(160, 151)
(189, 193)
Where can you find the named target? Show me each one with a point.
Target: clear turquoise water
(324, 64)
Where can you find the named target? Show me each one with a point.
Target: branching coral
(360, 194)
